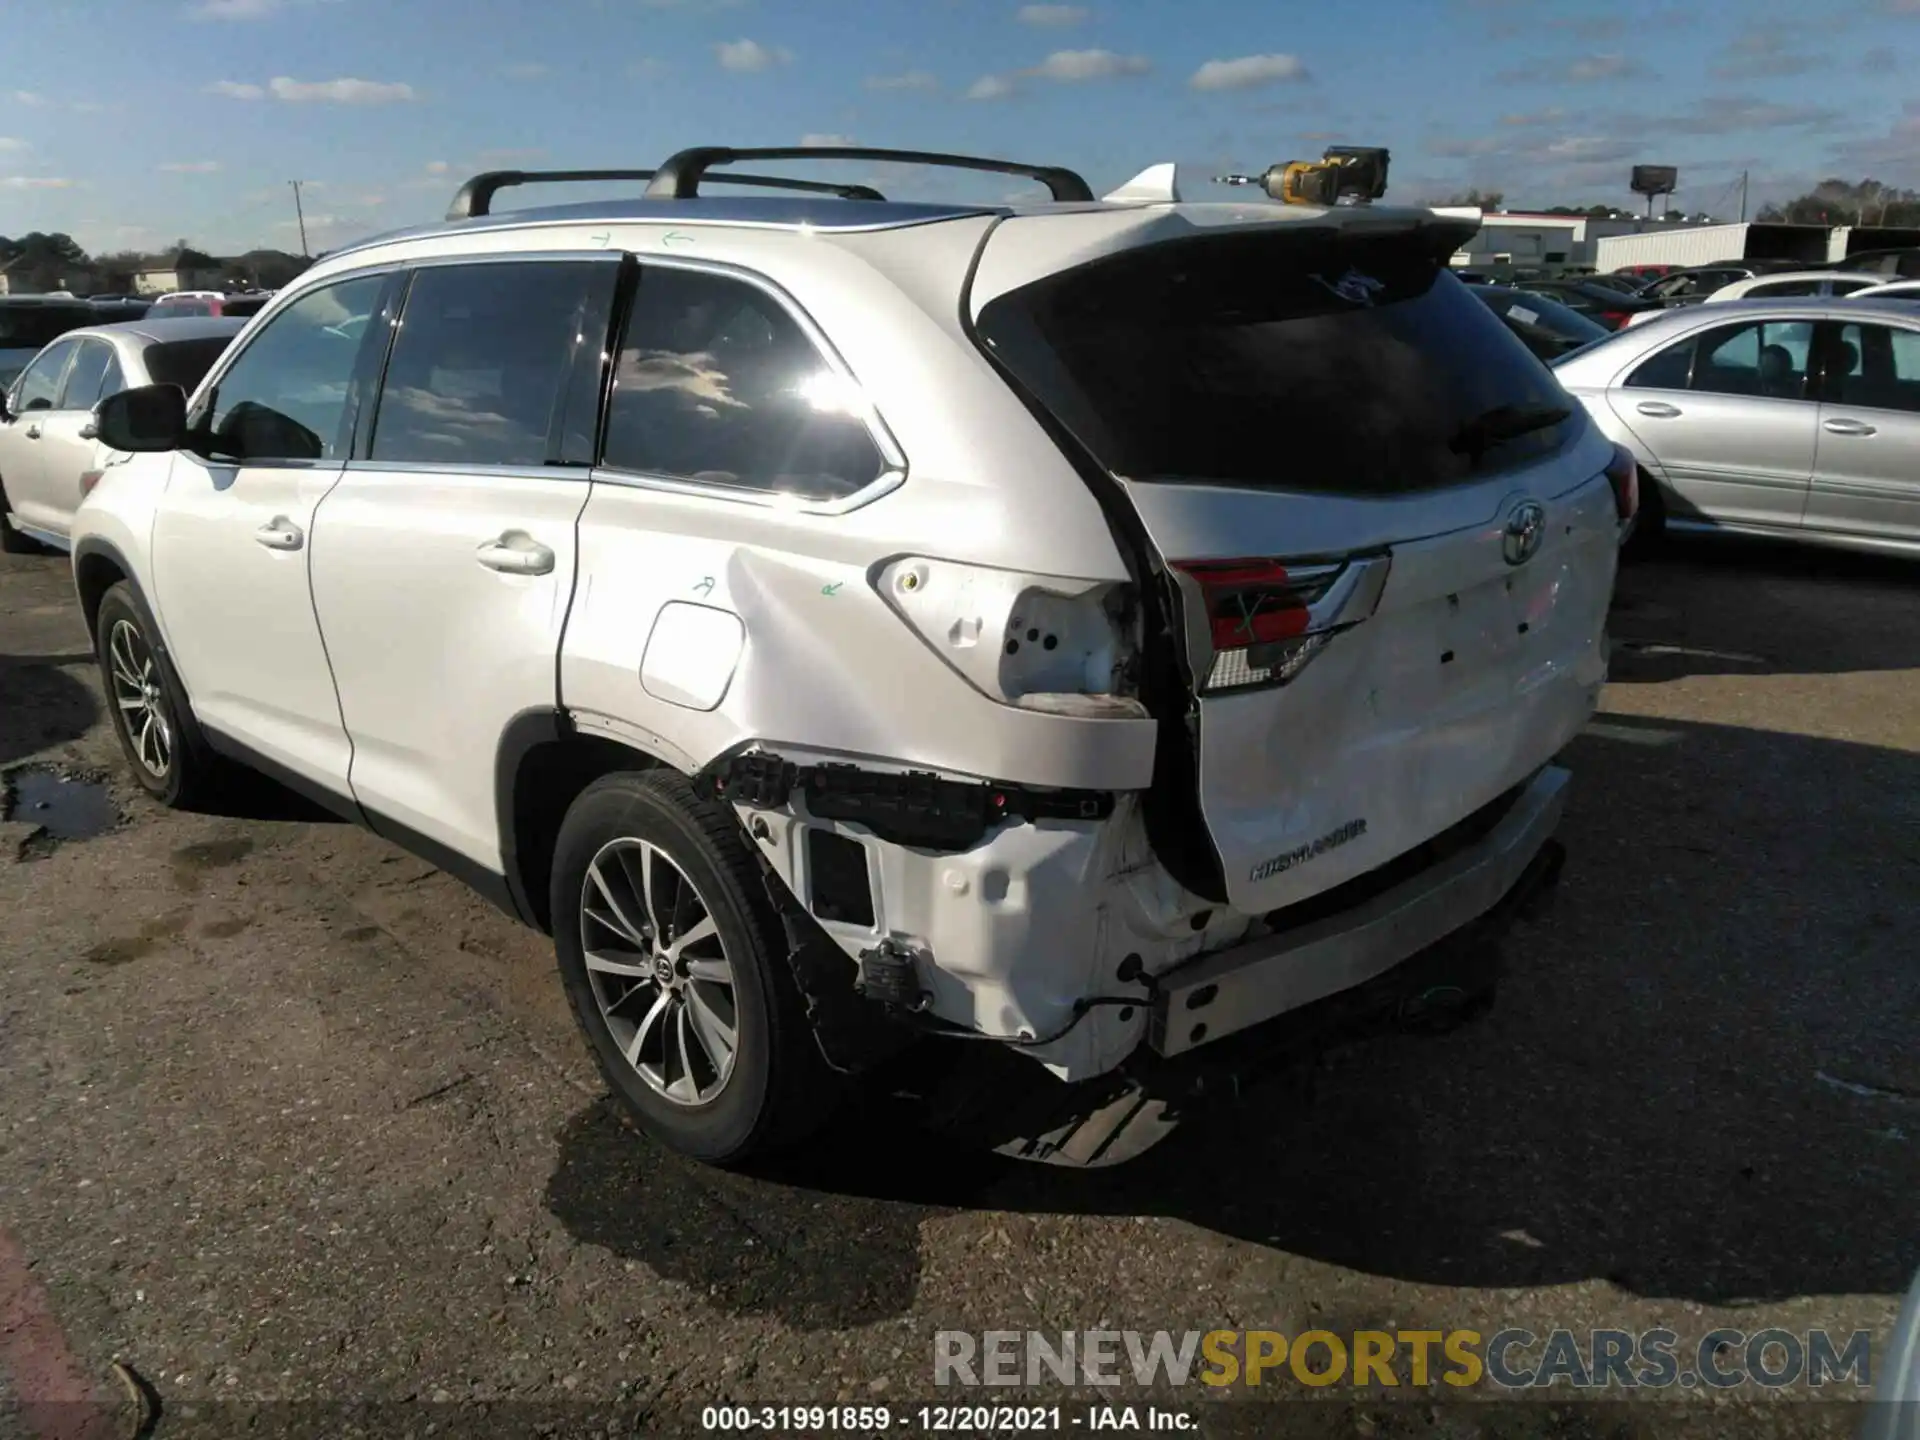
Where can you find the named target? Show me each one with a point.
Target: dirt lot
(300, 1130)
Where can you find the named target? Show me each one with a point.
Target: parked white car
(1890, 290)
(50, 456)
(1792, 285)
(1093, 627)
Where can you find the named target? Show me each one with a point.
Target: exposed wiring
(1081, 1009)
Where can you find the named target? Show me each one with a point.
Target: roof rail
(475, 198)
(679, 176)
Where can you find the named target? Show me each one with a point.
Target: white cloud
(1246, 72)
(235, 90)
(34, 182)
(817, 142)
(1072, 66)
(524, 70)
(29, 97)
(990, 87)
(234, 9)
(191, 167)
(908, 80)
(749, 56)
(346, 91)
(1052, 15)
(8, 143)
(436, 167)
(1602, 67)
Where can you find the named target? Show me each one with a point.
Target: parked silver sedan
(1792, 418)
(49, 457)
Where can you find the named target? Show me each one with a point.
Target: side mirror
(148, 418)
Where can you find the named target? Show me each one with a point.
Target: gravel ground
(300, 1130)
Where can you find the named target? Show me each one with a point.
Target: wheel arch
(542, 764)
(99, 565)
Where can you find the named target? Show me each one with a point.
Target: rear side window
(1875, 366)
(39, 385)
(718, 383)
(1763, 360)
(183, 362)
(1268, 361)
(482, 367)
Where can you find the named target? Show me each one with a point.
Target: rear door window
(718, 383)
(483, 363)
(1873, 366)
(1319, 364)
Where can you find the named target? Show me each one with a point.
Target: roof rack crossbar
(475, 198)
(679, 176)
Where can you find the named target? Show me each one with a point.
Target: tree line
(42, 261)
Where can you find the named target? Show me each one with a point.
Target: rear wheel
(676, 967)
(164, 745)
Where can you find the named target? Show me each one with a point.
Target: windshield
(1317, 363)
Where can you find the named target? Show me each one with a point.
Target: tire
(12, 542)
(680, 1087)
(133, 666)
(1652, 528)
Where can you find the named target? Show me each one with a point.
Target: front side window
(39, 384)
(89, 370)
(1767, 360)
(285, 395)
(483, 362)
(717, 383)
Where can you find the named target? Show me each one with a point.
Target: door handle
(516, 553)
(1846, 427)
(1659, 410)
(33, 431)
(280, 533)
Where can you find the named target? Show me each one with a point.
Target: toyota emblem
(1526, 528)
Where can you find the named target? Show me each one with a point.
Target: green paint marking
(674, 237)
(704, 585)
(833, 589)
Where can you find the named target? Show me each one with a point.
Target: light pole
(301, 216)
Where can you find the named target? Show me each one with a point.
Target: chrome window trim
(581, 473)
(894, 466)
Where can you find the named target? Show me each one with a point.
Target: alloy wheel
(137, 694)
(659, 970)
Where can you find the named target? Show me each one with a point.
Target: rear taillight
(1623, 473)
(1613, 319)
(1255, 623)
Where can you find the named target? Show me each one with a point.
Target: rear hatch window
(1319, 364)
(183, 362)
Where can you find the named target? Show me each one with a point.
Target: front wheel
(163, 743)
(676, 966)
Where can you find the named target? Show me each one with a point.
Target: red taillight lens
(1249, 602)
(1266, 620)
(1613, 319)
(1623, 473)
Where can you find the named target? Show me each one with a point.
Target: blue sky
(131, 122)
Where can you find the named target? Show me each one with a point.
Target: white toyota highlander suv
(1096, 627)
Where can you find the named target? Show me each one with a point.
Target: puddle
(63, 808)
